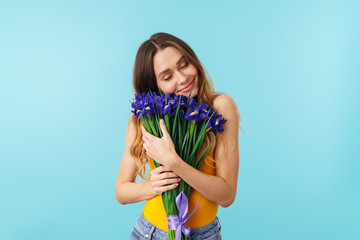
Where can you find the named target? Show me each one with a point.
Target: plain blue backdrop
(292, 68)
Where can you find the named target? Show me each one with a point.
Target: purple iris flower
(166, 109)
(198, 113)
(192, 114)
(182, 114)
(202, 109)
(154, 103)
(219, 121)
(191, 103)
(137, 112)
(149, 108)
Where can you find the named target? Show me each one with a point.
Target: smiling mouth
(190, 85)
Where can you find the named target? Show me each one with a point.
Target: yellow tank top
(154, 210)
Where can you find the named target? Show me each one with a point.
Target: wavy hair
(144, 80)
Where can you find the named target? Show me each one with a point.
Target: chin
(193, 94)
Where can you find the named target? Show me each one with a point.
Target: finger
(144, 132)
(142, 128)
(144, 138)
(145, 146)
(154, 172)
(163, 169)
(163, 128)
(160, 169)
(157, 173)
(160, 180)
(166, 169)
(166, 182)
(166, 188)
(169, 175)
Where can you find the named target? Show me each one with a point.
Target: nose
(181, 78)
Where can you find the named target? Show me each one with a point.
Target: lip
(188, 87)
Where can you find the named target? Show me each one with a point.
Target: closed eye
(184, 66)
(168, 78)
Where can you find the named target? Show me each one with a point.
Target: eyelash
(187, 63)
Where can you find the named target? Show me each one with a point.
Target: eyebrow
(177, 63)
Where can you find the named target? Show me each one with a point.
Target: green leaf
(204, 154)
(167, 123)
(146, 124)
(184, 144)
(176, 116)
(152, 126)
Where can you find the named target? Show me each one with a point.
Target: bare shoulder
(226, 106)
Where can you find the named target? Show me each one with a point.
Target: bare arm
(126, 190)
(221, 188)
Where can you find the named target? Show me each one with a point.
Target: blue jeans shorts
(144, 230)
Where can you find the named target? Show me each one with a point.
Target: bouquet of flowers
(187, 122)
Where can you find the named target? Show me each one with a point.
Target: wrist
(151, 189)
(173, 161)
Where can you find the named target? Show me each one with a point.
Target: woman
(167, 63)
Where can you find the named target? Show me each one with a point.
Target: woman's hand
(162, 149)
(162, 179)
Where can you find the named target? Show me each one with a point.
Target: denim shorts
(144, 230)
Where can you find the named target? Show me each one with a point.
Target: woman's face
(174, 74)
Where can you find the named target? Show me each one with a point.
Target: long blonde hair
(144, 80)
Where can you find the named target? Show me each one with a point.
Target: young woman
(167, 63)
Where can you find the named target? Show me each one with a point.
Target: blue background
(65, 84)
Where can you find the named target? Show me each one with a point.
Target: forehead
(166, 58)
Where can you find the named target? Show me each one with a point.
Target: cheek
(167, 87)
(193, 70)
